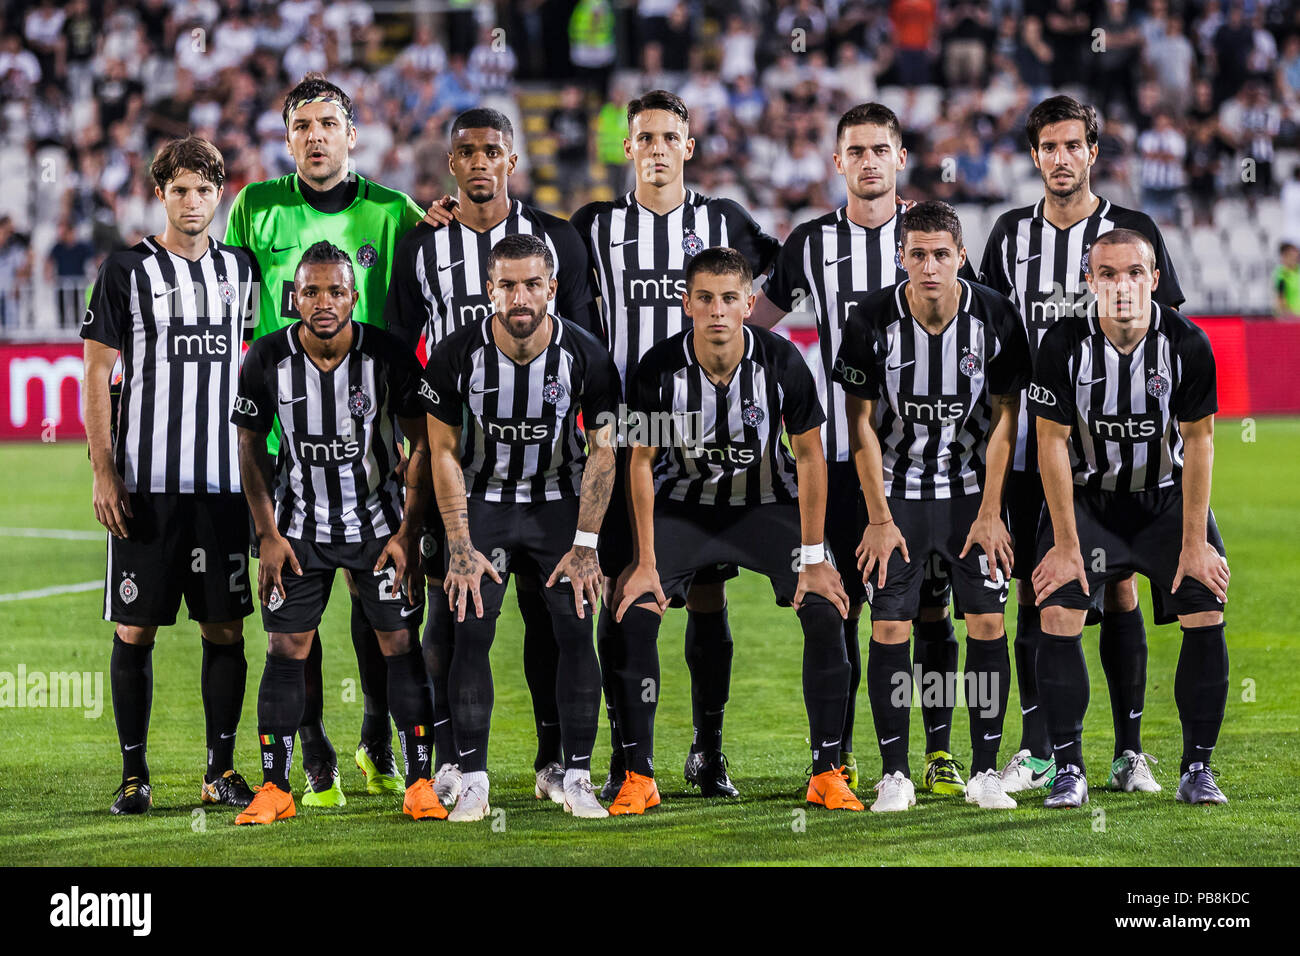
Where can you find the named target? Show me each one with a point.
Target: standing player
(167, 483)
(933, 368)
(278, 219)
(640, 246)
(1038, 256)
(338, 391)
(512, 473)
(1125, 400)
(736, 495)
(439, 284)
(834, 261)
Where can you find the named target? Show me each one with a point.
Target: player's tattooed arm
(404, 545)
(109, 497)
(989, 532)
(819, 577)
(1063, 562)
(581, 564)
(881, 536)
(1198, 558)
(273, 550)
(467, 565)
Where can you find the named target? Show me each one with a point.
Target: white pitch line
(52, 533)
(49, 592)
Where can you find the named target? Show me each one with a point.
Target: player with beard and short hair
(439, 285)
(827, 265)
(1124, 399)
(1038, 257)
(276, 220)
(640, 246)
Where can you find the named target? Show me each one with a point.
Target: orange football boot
(270, 804)
(831, 790)
(422, 803)
(637, 795)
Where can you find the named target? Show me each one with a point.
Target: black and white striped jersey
(335, 480)
(520, 439)
(640, 261)
(825, 267)
(439, 280)
(722, 443)
(932, 391)
(1123, 410)
(1041, 269)
(179, 325)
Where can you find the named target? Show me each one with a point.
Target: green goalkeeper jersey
(276, 224)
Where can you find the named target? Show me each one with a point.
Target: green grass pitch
(58, 767)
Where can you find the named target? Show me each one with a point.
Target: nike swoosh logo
(283, 248)
(1198, 747)
(895, 368)
(1021, 262)
(992, 736)
(831, 262)
(1062, 746)
(138, 746)
(466, 753)
(451, 265)
(889, 741)
(583, 757)
(1094, 381)
(293, 401)
(934, 730)
(159, 295)
(227, 736)
(625, 242)
(414, 610)
(482, 391)
(1023, 711)
(830, 743)
(1134, 715)
(439, 723)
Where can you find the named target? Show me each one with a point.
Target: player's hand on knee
(879, 541)
(633, 583)
(822, 579)
(111, 501)
(1206, 565)
(464, 579)
(582, 567)
(401, 549)
(989, 533)
(1059, 567)
(274, 551)
(442, 212)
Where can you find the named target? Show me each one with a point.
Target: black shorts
(1124, 533)
(528, 539)
(433, 544)
(180, 545)
(616, 535)
(1024, 507)
(384, 601)
(846, 519)
(935, 527)
(690, 539)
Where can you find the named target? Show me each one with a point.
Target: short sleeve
(573, 297)
(644, 394)
(108, 313)
(405, 308)
(404, 376)
(748, 238)
(993, 267)
(787, 273)
(801, 406)
(1051, 393)
(1010, 369)
(256, 404)
(1197, 394)
(600, 385)
(438, 390)
(237, 232)
(1168, 292)
(857, 364)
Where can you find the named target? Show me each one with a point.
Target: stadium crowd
(1195, 97)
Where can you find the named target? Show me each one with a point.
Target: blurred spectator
(569, 125)
(747, 101)
(678, 39)
(425, 54)
(805, 17)
(15, 270)
(69, 267)
(967, 35)
(1068, 31)
(592, 49)
(739, 46)
(1115, 67)
(1170, 57)
(705, 96)
(914, 39)
(492, 63)
(20, 71)
(1286, 283)
(1233, 45)
(1206, 152)
(43, 29)
(1250, 122)
(798, 175)
(1261, 61)
(1291, 207)
(855, 75)
(1162, 150)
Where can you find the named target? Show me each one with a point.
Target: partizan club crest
(692, 244)
(367, 256)
(128, 591)
(552, 390)
(1157, 385)
(227, 291)
(750, 413)
(1083, 261)
(969, 364)
(358, 402)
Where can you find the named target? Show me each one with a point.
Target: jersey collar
(1103, 207)
(905, 312)
(688, 345)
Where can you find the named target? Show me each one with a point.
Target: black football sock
(411, 697)
(709, 650)
(1201, 691)
(1033, 718)
(889, 688)
(853, 651)
(280, 701)
(1063, 687)
(317, 751)
(130, 673)
(541, 665)
(376, 732)
(222, 677)
(439, 632)
(988, 681)
(469, 684)
(1123, 650)
(577, 689)
(825, 679)
(609, 651)
(639, 690)
(935, 661)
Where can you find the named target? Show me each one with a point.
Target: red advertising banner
(40, 391)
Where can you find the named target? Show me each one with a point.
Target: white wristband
(585, 539)
(812, 554)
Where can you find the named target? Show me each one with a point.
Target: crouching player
(338, 389)
(724, 490)
(1125, 400)
(933, 368)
